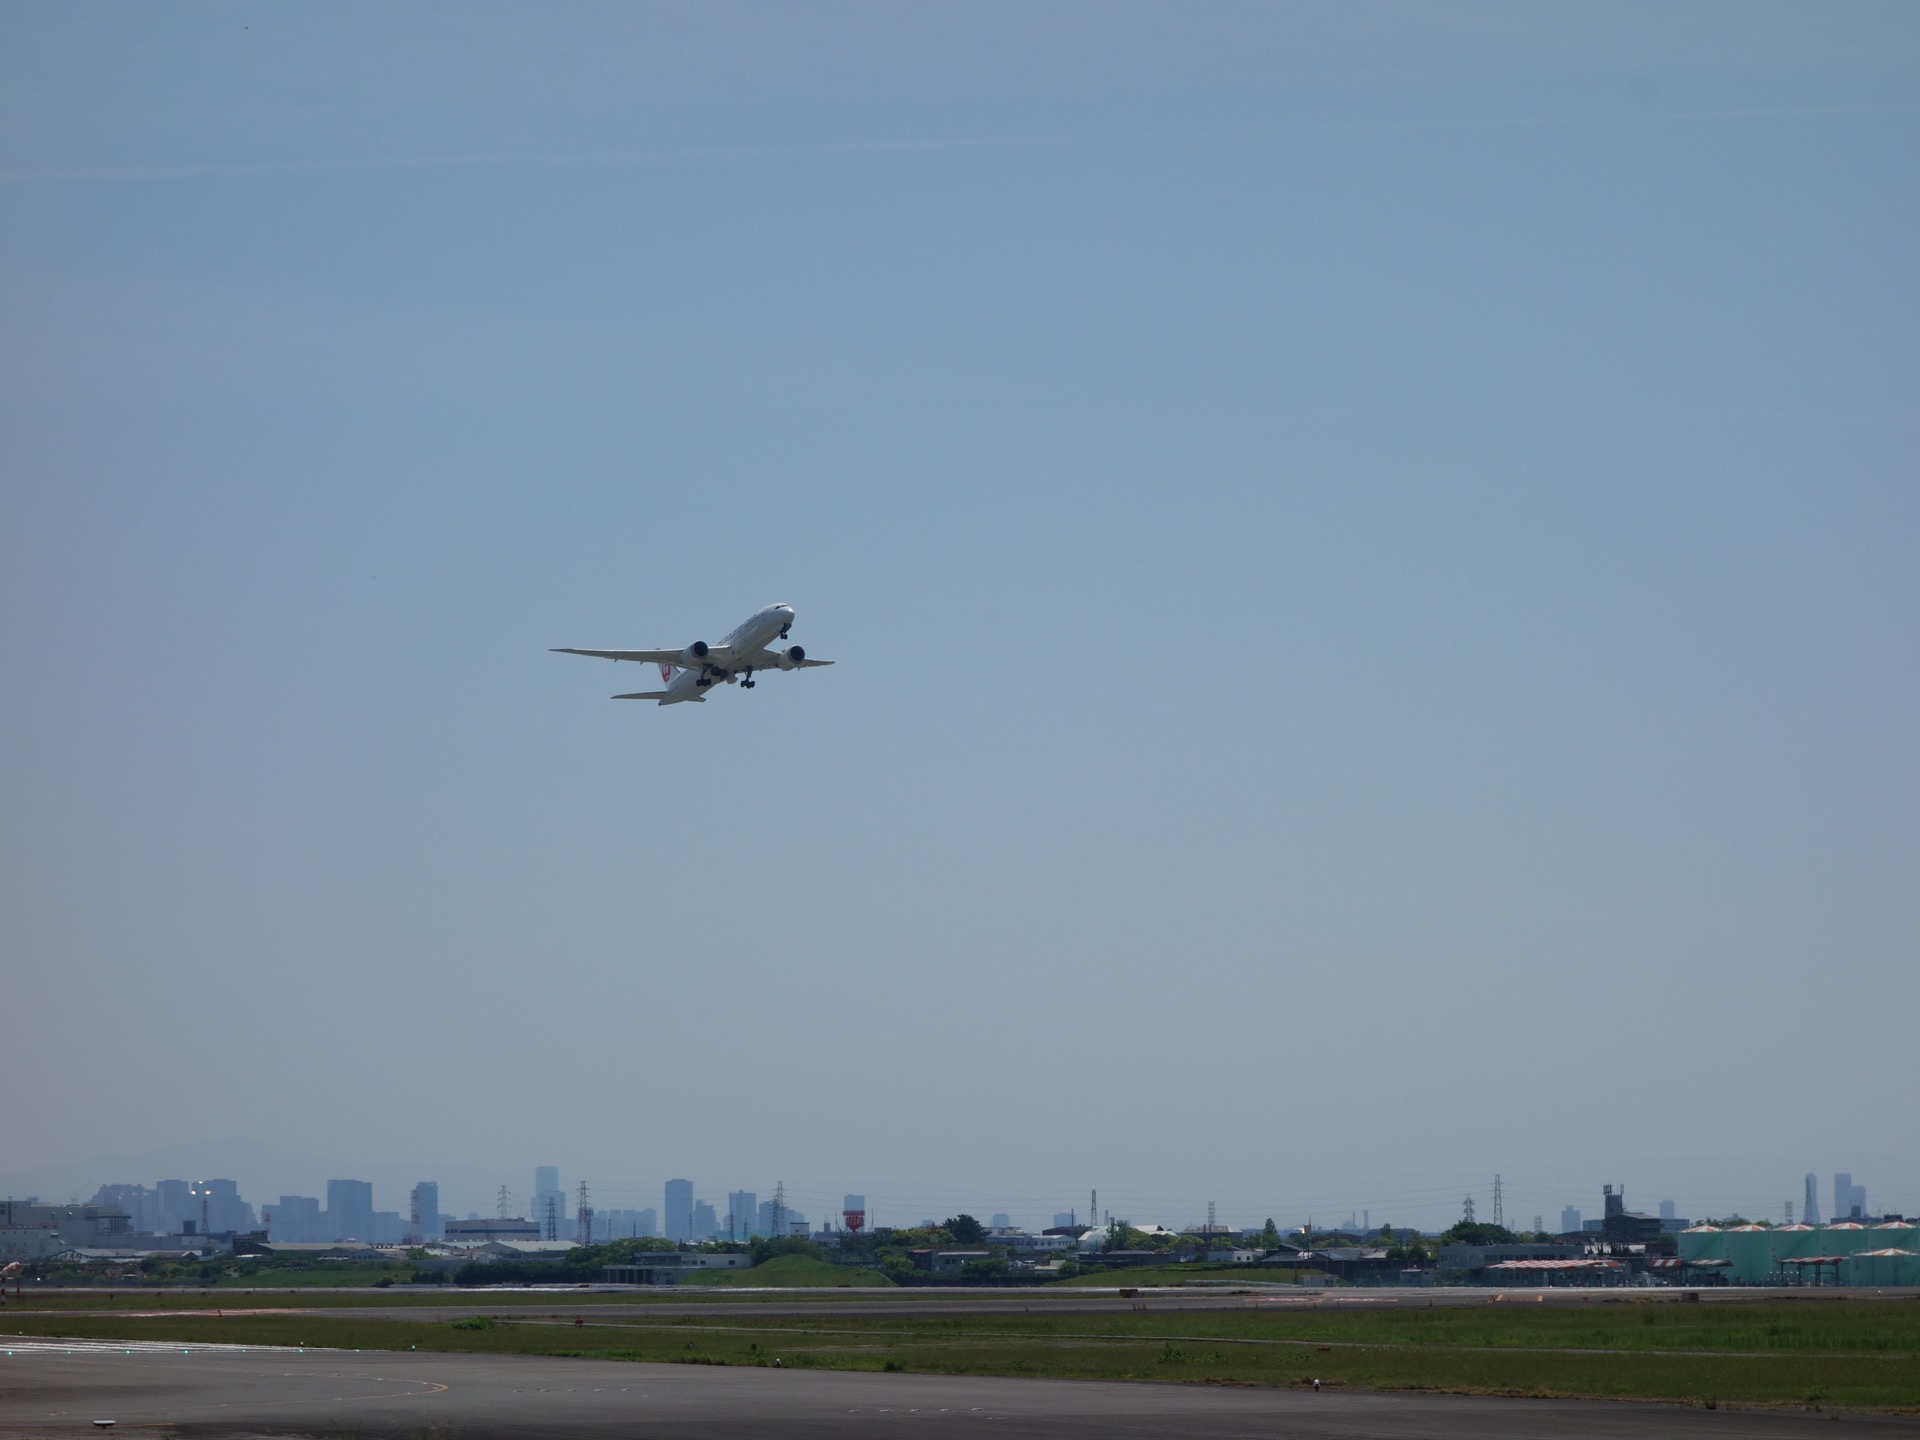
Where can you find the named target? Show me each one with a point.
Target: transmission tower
(1209, 1218)
(1499, 1212)
(413, 1230)
(779, 1209)
(1469, 1210)
(583, 1225)
(504, 1205)
(552, 1231)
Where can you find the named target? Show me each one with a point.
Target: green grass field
(1859, 1354)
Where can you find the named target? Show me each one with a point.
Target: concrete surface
(58, 1388)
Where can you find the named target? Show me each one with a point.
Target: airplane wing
(768, 660)
(657, 657)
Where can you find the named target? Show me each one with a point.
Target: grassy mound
(799, 1270)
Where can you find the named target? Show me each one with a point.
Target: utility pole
(1499, 1214)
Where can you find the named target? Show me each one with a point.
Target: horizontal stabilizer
(643, 695)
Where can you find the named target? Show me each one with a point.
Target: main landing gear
(746, 680)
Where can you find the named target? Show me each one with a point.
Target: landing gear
(746, 680)
(783, 631)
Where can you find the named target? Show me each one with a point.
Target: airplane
(702, 666)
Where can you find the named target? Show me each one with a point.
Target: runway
(608, 1304)
(59, 1388)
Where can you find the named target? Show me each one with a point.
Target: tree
(1270, 1237)
(965, 1229)
(1470, 1232)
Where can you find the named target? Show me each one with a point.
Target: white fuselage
(752, 636)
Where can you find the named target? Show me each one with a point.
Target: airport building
(669, 1267)
(478, 1232)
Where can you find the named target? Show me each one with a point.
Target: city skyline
(680, 1209)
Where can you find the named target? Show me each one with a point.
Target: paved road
(58, 1388)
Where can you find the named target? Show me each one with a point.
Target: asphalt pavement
(61, 1388)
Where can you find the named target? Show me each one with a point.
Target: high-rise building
(296, 1219)
(135, 1201)
(705, 1224)
(779, 1220)
(1666, 1210)
(218, 1208)
(173, 1200)
(350, 1210)
(743, 1215)
(1569, 1221)
(679, 1210)
(631, 1224)
(549, 1200)
(1810, 1211)
(1065, 1219)
(1849, 1199)
(1000, 1221)
(426, 1209)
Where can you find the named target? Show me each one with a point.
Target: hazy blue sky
(1373, 552)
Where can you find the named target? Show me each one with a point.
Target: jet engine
(694, 656)
(789, 658)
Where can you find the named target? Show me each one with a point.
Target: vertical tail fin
(666, 672)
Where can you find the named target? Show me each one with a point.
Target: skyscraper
(705, 1222)
(550, 1200)
(1849, 1199)
(174, 1200)
(1570, 1221)
(743, 1214)
(296, 1217)
(1810, 1212)
(679, 1210)
(426, 1205)
(350, 1210)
